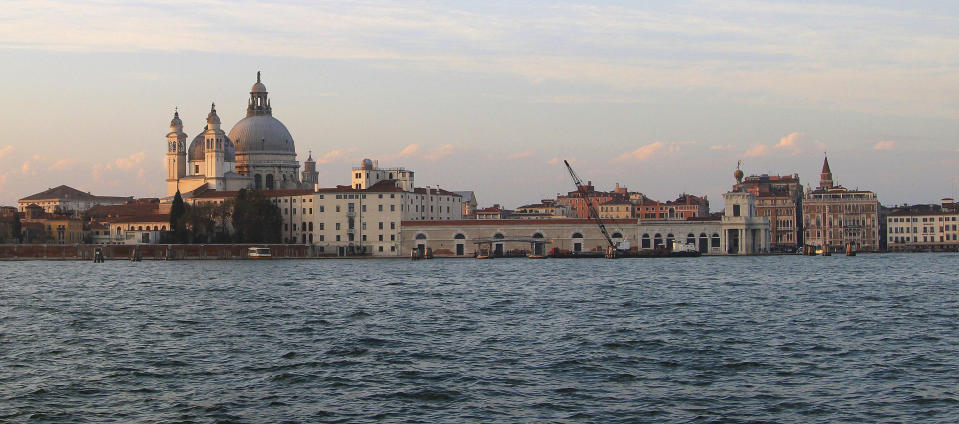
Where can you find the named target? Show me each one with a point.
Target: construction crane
(593, 213)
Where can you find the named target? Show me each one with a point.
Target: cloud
(63, 164)
(885, 145)
(649, 150)
(130, 161)
(27, 168)
(557, 160)
(790, 142)
(721, 147)
(521, 155)
(5, 150)
(407, 151)
(757, 150)
(330, 156)
(442, 151)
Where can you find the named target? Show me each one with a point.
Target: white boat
(259, 253)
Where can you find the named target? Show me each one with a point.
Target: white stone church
(259, 152)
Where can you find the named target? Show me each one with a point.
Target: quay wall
(153, 251)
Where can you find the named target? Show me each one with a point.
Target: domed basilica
(258, 152)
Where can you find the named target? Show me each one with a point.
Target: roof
(156, 217)
(506, 222)
(422, 190)
(213, 194)
(825, 166)
(67, 192)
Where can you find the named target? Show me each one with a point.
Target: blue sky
(663, 97)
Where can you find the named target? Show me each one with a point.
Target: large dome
(261, 134)
(198, 152)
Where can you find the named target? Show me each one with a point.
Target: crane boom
(593, 213)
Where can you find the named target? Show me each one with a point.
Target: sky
(661, 97)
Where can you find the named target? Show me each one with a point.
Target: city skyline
(663, 100)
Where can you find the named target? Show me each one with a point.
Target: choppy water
(774, 339)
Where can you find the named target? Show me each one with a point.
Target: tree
(256, 219)
(17, 229)
(177, 210)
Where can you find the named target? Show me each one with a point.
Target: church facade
(258, 152)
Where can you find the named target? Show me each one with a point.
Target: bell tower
(176, 154)
(214, 150)
(825, 177)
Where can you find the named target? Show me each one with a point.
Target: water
(767, 339)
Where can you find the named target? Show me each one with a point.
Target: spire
(176, 123)
(258, 76)
(310, 157)
(825, 178)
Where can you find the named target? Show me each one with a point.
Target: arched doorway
(460, 244)
(498, 247)
(269, 181)
(421, 244)
(645, 243)
(657, 241)
(258, 182)
(703, 243)
(538, 248)
(577, 242)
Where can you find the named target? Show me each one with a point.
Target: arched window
(140, 228)
(459, 236)
(577, 235)
(658, 240)
(646, 241)
(269, 181)
(498, 236)
(421, 236)
(163, 228)
(311, 228)
(691, 238)
(258, 181)
(672, 213)
(538, 235)
(715, 242)
(310, 238)
(669, 239)
(155, 228)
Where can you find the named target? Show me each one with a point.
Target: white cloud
(757, 150)
(5, 150)
(130, 161)
(885, 145)
(27, 168)
(721, 147)
(440, 152)
(652, 149)
(790, 142)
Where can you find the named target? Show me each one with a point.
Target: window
(337, 237)
(380, 207)
(392, 237)
(381, 225)
(337, 226)
(381, 237)
(392, 208)
(392, 225)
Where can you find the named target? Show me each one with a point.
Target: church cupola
(176, 125)
(212, 120)
(176, 153)
(259, 103)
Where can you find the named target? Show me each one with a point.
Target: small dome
(366, 164)
(176, 122)
(213, 118)
(738, 174)
(258, 87)
(197, 151)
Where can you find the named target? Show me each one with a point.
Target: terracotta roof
(67, 192)
(140, 218)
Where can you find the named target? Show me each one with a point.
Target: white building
(259, 152)
(924, 228)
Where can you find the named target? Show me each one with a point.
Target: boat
(259, 253)
(532, 256)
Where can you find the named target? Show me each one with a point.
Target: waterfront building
(835, 216)
(459, 238)
(66, 199)
(363, 218)
(779, 198)
(40, 226)
(918, 228)
(744, 232)
(258, 152)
